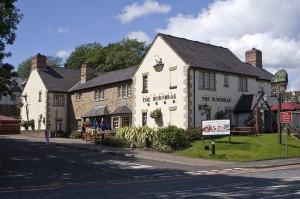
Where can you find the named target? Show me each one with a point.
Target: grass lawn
(244, 148)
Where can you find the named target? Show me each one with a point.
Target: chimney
(254, 57)
(86, 73)
(38, 62)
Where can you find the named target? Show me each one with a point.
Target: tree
(10, 16)
(111, 57)
(24, 68)
(91, 53)
(5, 75)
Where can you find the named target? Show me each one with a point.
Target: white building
(192, 81)
(45, 95)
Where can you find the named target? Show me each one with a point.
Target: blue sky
(50, 26)
(56, 27)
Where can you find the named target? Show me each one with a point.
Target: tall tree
(90, 52)
(10, 16)
(111, 57)
(24, 68)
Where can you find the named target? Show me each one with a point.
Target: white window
(124, 91)
(119, 91)
(173, 84)
(207, 80)
(78, 96)
(226, 81)
(144, 119)
(243, 84)
(99, 94)
(128, 90)
(115, 121)
(40, 96)
(145, 84)
(125, 121)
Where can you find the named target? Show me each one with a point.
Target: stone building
(190, 81)
(44, 98)
(102, 95)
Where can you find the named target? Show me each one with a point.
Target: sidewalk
(153, 155)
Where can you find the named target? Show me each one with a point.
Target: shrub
(136, 136)
(170, 136)
(27, 124)
(156, 113)
(75, 134)
(115, 142)
(193, 134)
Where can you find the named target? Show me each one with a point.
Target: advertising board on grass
(216, 127)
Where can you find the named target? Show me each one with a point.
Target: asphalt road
(37, 170)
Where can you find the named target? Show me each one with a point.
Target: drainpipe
(194, 96)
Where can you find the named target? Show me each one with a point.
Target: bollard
(213, 148)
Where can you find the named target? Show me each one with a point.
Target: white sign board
(216, 127)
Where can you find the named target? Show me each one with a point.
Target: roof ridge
(183, 38)
(62, 67)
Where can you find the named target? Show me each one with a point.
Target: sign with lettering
(216, 127)
(286, 117)
(216, 99)
(159, 97)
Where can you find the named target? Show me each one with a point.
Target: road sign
(286, 117)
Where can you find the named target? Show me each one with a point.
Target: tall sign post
(286, 118)
(279, 84)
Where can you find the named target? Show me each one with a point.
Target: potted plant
(156, 113)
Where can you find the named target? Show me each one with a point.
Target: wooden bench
(244, 131)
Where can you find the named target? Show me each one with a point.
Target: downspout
(194, 97)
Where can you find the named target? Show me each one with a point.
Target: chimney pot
(254, 57)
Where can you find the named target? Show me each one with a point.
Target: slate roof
(58, 78)
(121, 110)
(244, 104)
(106, 78)
(207, 56)
(96, 111)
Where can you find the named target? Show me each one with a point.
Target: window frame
(144, 115)
(207, 81)
(145, 83)
(243, 84)
(40, 96)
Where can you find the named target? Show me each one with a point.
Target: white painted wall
(230, 92)
(158, 83)
(35, 108)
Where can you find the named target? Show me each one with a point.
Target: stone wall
(35, 133)
(79, 108)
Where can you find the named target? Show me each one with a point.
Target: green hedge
(163, 139)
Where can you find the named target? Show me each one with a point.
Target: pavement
(157, 156)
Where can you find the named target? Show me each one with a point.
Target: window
(59, 99)
(207, 80)
(119, 91)
(99, 94)
(242, 84)
(173, 77)
(124, 91)
(226, 81)
(144, 118)
(59, 124)
(78, 96)
(128, 90)
(12, 97)
(115, 122)
(145, 84)
(79, 124)
(40, 96)
(125, 121)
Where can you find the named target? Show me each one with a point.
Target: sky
(57, 27)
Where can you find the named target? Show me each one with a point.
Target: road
(37, 170)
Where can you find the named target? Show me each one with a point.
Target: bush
(115, 142)
(171, 136)
(27, 124)
(193, 134)
(75, 134)
(137, 137)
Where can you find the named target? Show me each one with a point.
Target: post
(55, 122)
(213, 148)
(286, 142)
(278, 118)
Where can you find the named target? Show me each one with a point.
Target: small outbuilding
(9, 125)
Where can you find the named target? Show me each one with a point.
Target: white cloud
(271, 26)
(140, 36)
(63, 53)
(63, 30)
(136, 10)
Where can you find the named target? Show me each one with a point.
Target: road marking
(128, 165)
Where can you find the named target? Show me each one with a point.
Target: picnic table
(244, 131)
(94, 135)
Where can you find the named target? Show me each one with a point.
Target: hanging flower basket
(156, 113)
